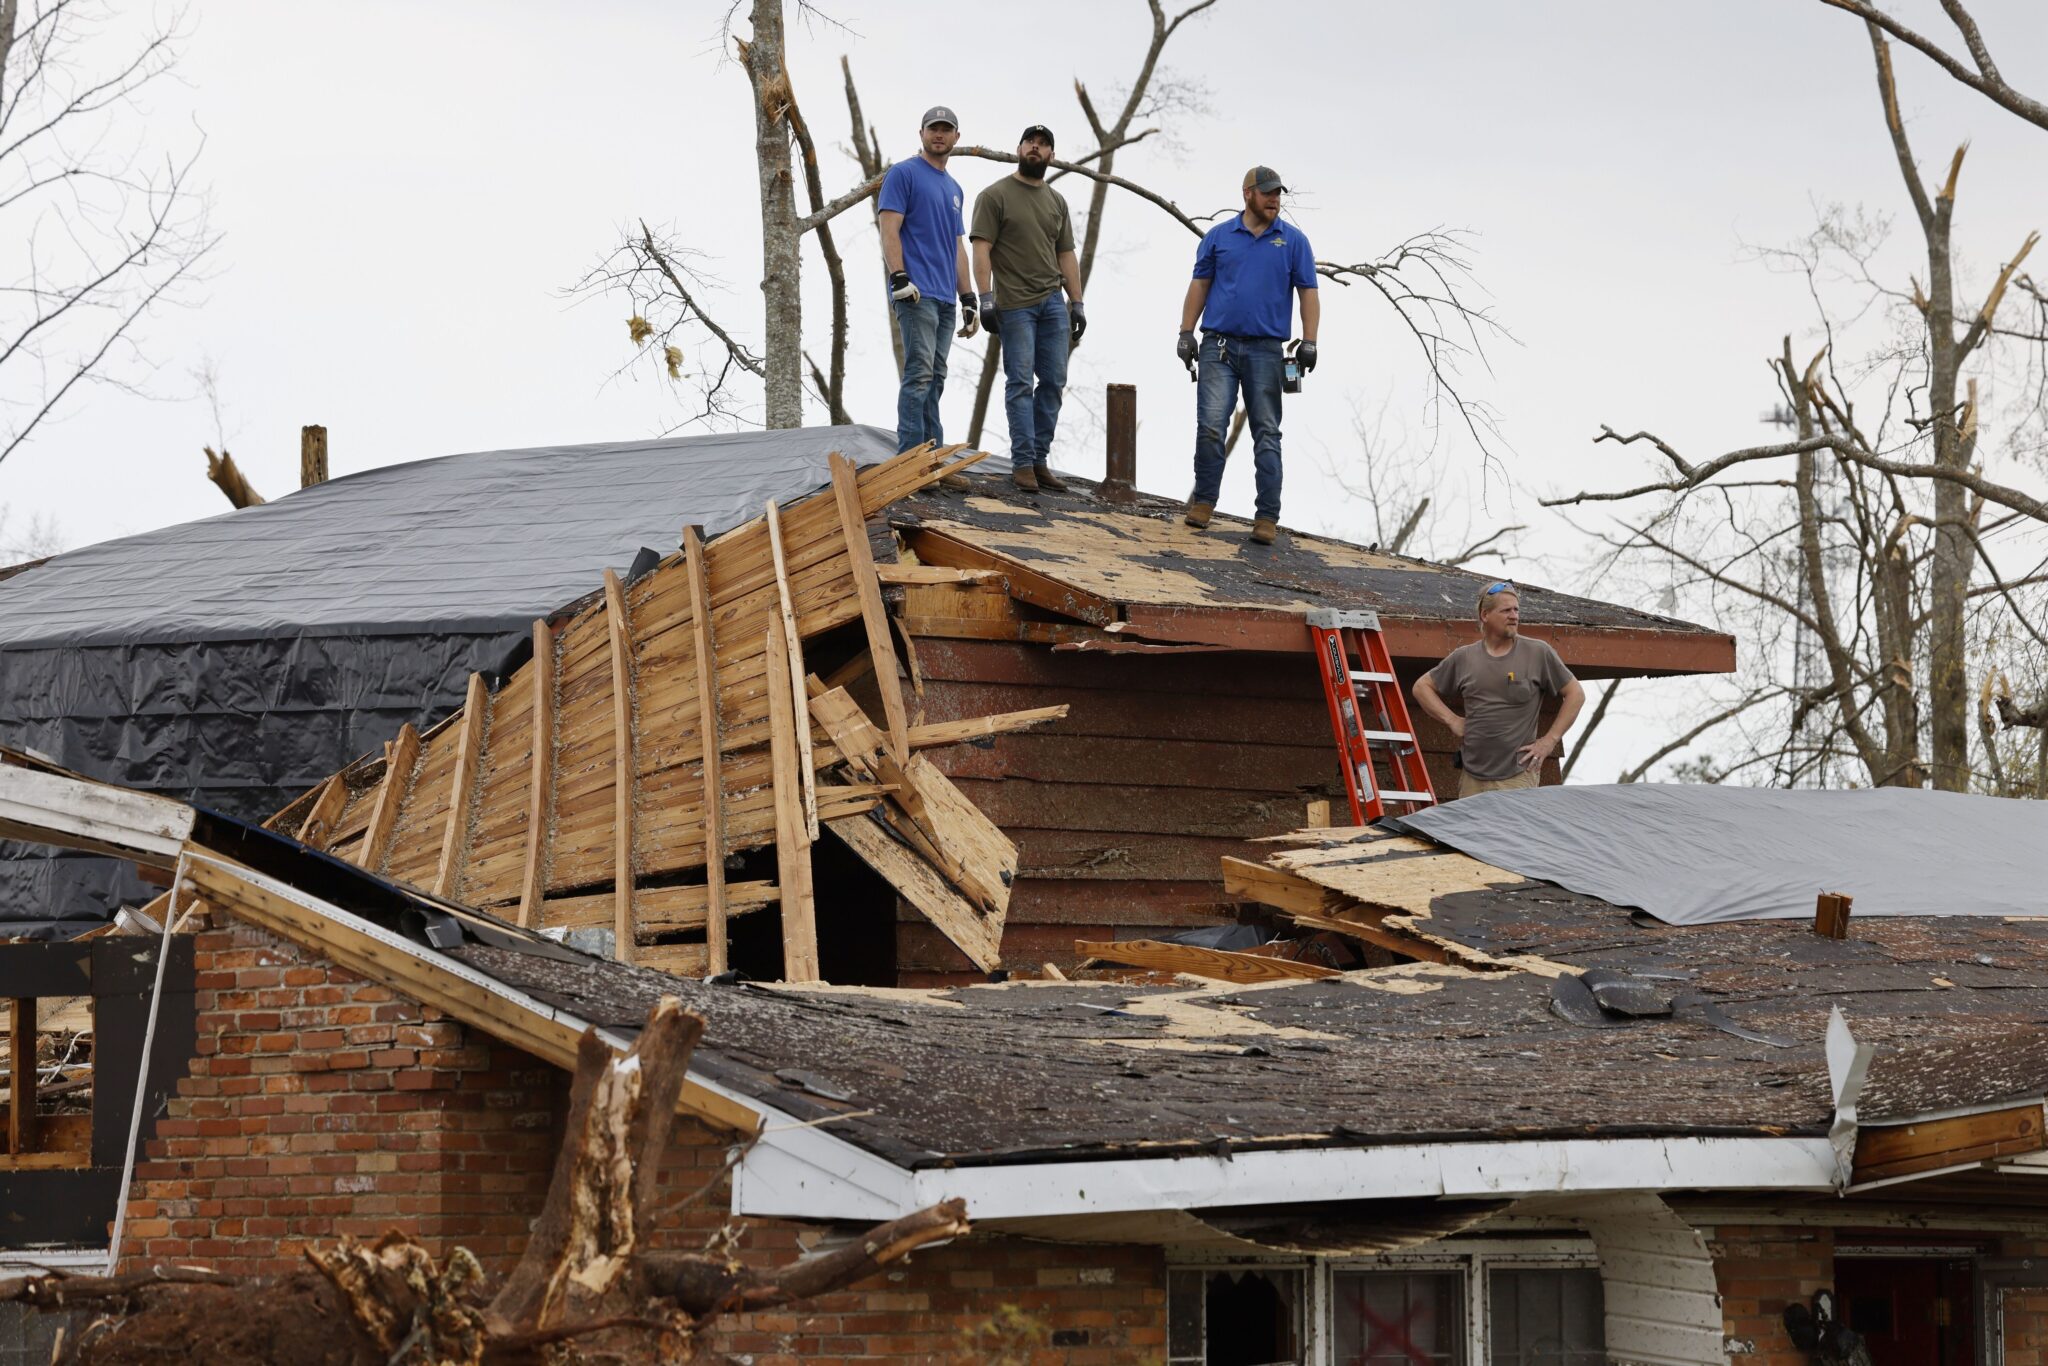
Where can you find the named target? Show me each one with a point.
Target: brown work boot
(1024, 477)
(1199, 514)
(1265, 531)
(955, 481)
(1047, 479)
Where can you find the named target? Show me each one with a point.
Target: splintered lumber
(853, 522)
(469, 746)
(793, 659)
(975, 933)
(541, 776)
(1200, 962)
(399, 760)
(707, 740)
(933, 574)
(657, 910)
(318, 827)
(619, 629)
(792, 837)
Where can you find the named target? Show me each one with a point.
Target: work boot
(1199, 514)
(1265, 530)
(1025, 477)
(955, 481)
(1047, 479)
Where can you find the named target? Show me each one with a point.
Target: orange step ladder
(1363, 729)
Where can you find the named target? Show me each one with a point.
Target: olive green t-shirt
(1026, 227)
(1500, 696)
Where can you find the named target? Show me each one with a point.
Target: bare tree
(100, 231)
(1868, 571)
(1980, 73)
(1395, 488)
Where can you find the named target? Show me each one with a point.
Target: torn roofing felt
(235, 661)
(1695, 855)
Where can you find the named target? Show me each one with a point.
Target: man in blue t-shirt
(1245, 270)
(924, 248)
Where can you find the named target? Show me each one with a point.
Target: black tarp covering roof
(235, 661)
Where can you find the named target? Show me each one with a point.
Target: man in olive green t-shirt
(1023, 240)
(1501, 680)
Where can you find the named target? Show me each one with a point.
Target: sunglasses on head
(1502, 587)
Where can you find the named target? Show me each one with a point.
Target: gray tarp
(236, 661)
(1697, 855)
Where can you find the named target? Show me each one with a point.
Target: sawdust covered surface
(301, 1320)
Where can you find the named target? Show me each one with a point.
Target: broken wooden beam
(469, 746)
(853, 525)
(1220, 964)
(792, 836)
(793, 651)
(540, 794)
(400, 757)
(707, 740)
(619, 633)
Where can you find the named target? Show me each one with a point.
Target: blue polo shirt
(929, 200)
(1254, 277)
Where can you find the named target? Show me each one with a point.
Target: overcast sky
(405, 190)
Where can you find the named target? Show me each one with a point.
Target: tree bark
(781, 241)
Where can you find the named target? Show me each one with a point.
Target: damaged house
(1542, 1111)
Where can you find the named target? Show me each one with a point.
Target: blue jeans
(1255, 365)
(1034, 342)
(927, 337)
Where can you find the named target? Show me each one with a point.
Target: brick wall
(321, 1105)
(1760, 1271)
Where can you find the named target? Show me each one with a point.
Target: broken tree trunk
(586, 1288)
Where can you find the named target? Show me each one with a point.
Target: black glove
(989, 312)
(1186, 348)
(1077, 323)
(901, 288)
(1305, 356)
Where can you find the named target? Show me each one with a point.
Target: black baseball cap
(1038, 130)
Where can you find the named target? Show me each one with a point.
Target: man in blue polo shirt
(1245, 270)
(923, 247)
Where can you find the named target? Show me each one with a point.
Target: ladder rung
(1390, 736)
(1361, 676)
(1386, 796)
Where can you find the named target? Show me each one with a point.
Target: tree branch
(1985, 80)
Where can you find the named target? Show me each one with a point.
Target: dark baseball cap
(1038, 130)
(939, 113)
(1264, 179)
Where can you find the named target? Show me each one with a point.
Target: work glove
(970, 321)
(1186, 348)
(1077, 323)
(1305, 356)
(989, 312)
(901, 288)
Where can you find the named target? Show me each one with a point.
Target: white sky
(405, 190)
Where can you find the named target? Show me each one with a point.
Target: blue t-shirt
(1254, 277)
(929, 200)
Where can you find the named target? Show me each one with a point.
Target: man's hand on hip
(900, 287)
(1532, 755)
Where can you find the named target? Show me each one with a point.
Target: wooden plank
(21, 1078)
(1023, 583)
(318, 827)
(880, 644)
(399, 760)
(792, 837)
(975, 933)
(1903, 1149)
(1272, 887)
(429, 983)
(1199, 962)
(708, 740)
(938, 734)
(619, 629)
(934, 574)
(656, 910)
(469, 748)
(684, 960)
(540, 810)
(793, 652)
(78, 813)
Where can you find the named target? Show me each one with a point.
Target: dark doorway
(1254, 1318)
(1911, 1311)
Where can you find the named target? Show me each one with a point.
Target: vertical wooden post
(1120, 464)
(469, 748)
(21, 1087)
(793, 648)
(620, 632)
(708, 739)
(312, 456)
(541, 777)
(398, 766)
(881, 645)
(792, 838)
(1831, 915)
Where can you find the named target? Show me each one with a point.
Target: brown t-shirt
(1026, 227)
(1500, 697)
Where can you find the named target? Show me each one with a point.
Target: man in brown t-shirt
(1501, 680)
(1023, 254)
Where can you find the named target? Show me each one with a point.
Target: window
(1237, 1316)
(1398, 1318)
(1546, 1317)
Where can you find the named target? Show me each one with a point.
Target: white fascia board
(1472, 1170)
(49, 808)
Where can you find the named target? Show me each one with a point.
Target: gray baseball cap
(1264, 179)
(939, 113)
